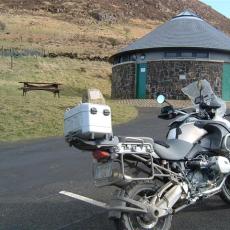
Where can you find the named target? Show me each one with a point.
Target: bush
(83, 70)
(2, 26)
(113, 41)
(30, 40)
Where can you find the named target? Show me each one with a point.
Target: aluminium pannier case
(88, 122)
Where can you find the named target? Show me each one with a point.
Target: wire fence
(17, 52)
(42, 52)
(6, 52)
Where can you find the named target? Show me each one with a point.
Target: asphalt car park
(33, 173)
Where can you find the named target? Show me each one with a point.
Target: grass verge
(39, 114)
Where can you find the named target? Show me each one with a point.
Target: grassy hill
(39, 114)
(51, 35)
(90, 28)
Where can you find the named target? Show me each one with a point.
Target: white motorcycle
(157, 179)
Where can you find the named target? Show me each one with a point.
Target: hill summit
(119, 10)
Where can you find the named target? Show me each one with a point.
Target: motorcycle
(156, 179)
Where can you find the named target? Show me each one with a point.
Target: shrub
(83, 70)
(113, 41)
(30, 40)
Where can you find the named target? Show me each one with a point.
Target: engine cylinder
(220, 164)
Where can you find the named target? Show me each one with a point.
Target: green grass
(39, 114)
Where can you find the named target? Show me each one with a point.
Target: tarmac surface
(32, 174)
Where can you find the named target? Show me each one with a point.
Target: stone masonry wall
(123, 81)
(163, 76)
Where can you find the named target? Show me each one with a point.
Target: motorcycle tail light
(99, 154)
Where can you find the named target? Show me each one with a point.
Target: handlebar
(201, 114)
(168, 112)
(178, 111)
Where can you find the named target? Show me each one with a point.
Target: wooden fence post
(11, 59)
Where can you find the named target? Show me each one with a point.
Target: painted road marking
(84, 199)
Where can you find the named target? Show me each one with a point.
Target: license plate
(102, 171)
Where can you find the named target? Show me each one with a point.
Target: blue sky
(223, 6)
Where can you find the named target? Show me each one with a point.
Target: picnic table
(53, 87)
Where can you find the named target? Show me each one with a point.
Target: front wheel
(225, 194)
(142, 191)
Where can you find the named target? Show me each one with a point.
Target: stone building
(182, 50)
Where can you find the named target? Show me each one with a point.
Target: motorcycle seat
(206, 124)
(172, 149)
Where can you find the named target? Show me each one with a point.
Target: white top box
(88, 121)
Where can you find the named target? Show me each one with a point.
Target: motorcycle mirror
(161, 99)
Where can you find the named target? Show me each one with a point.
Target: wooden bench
(53, 87)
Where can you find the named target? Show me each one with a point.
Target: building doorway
(141, 81)
(226, 82)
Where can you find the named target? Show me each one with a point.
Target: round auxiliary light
(93, 110)
(106, 112)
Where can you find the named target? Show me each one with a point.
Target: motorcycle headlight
(226, 142)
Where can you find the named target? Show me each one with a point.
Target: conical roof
(186, 30)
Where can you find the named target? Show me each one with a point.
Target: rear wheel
(225, 194)
(142, 191)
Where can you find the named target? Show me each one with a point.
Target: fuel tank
(186, 132)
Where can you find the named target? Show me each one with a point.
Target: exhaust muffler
(162, 206)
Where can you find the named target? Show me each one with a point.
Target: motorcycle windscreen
(193, 92)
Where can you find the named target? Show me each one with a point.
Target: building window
(134, 57)
(125, 58)
(202, 54)
(142, 57)
(171, 54)
(116, 60)
(186, 54)
(182, 77)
